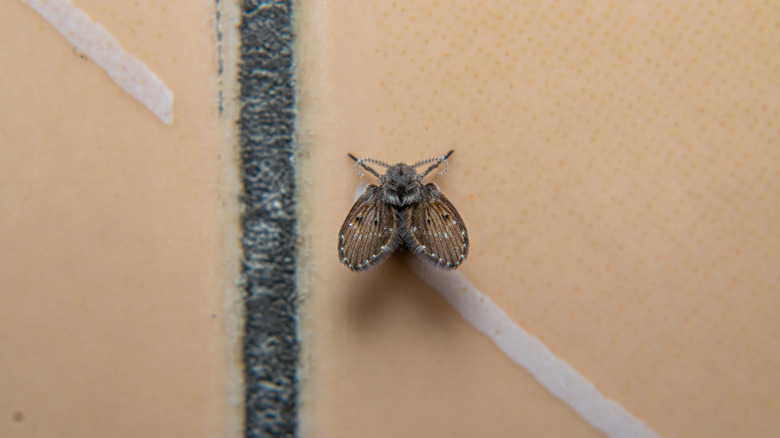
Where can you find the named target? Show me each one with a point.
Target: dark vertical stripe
(267, 122)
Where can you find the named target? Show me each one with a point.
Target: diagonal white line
(92, 39)
(556, 375)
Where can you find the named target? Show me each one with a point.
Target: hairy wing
(434, 230)
(369, 233)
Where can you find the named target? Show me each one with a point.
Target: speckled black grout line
(267, 122)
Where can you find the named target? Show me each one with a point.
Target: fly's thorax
(401, 185)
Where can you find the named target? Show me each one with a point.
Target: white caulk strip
(97, 43)
(557, 376)
(360, 189)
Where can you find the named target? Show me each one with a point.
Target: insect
(403, 210)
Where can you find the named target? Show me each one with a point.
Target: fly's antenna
(437, 160)
(360, 162)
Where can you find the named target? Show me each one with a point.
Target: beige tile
(114, 260)
(618, 166)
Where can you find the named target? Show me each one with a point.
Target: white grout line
(361, 187)
(92, 39)
(557, 376)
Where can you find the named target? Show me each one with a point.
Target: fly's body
(403, 210)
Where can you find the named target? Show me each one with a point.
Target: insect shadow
(394, 295)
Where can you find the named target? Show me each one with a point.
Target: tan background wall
(114, 232)
(618, 167)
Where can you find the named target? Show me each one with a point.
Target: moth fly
(403, 210)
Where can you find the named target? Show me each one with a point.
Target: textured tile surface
(617, 165)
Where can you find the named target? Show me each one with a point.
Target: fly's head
(401, 185)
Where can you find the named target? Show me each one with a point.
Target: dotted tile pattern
(618, 167)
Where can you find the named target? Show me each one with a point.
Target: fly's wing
(434, 230)
(369, 233)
